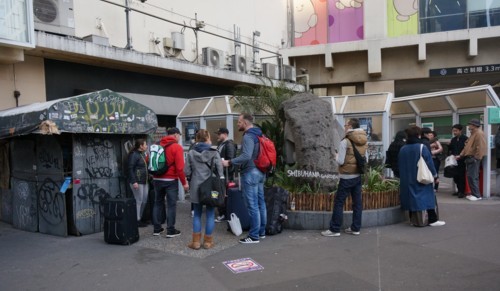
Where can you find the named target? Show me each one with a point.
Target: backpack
(266, 159)
(158, 164)
(276, 206)
(360, 160)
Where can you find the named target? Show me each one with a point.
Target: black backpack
(360, 160)
(276, 206)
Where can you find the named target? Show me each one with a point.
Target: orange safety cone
(467, 188)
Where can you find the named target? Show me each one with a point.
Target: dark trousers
(432, 215)
(222, 209)
(437, 165)
(347, 187)
(170, 190)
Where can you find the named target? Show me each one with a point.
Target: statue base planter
(314, 211)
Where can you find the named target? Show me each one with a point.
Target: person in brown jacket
(350, 180)
(473, 152)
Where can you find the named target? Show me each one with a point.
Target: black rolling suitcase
(120, 221)
(236, 204)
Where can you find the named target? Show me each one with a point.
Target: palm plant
(374, 181)
(266, 100)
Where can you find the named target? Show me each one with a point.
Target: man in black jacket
(457, 144)
(227, 150)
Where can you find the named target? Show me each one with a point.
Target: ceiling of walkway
(434, 84)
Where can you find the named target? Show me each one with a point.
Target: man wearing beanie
(473, 152)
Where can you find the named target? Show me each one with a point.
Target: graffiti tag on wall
(103, 112)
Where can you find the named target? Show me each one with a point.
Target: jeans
(472, 165)
(170, 189)
(210, 218)
(253, 193)
(346, 187)
(141, 198)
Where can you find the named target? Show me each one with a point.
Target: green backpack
(158, 164)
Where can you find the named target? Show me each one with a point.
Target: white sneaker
(437, 223)
(473, 198)
(349, 231)
(330, 233)
(220, 218)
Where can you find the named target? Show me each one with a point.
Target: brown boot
(208, 241)
(195, 244)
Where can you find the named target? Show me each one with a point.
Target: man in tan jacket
(473, 152)
(350, 180)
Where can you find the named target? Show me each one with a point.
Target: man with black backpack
(167, 183)
(227, 151)
(352, 151)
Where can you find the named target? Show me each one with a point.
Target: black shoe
(141, 224)
(455, 194)
(158, 232)
(461, 195)
(173, 233)
(249, 240)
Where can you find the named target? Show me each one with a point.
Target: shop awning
(360, 103)
(471, 99)
(102, 111)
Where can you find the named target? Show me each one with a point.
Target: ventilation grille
(213, 57)
(270, 71)
(54, 16)
(238, 64)
(289, 73)
(45, 10)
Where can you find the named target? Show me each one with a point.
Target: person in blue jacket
(252, 179)
(414, 195)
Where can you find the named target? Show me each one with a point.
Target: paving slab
(462, 255)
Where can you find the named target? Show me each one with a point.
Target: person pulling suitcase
(252, 180)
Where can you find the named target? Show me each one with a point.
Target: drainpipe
(17, 94)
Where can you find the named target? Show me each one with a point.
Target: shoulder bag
(211, 191)
(424, 175)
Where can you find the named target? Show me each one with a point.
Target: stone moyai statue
(312, 136)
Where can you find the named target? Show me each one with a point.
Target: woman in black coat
(391, 160)
(138, 176)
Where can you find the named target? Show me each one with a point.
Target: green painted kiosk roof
(104, 111)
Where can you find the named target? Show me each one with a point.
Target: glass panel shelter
(372, 110)
(441, 110)
(210, 113)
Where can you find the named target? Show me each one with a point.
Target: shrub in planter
(377, 192)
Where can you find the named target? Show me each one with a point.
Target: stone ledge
(320, 220)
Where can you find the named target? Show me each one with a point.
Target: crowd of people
(402, 156)
(202, 157)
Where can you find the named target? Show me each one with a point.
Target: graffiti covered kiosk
(83, 140)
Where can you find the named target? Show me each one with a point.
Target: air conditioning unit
(288, 73)
(213, 57)
(270, 71)
(238, 64)
(55, 16)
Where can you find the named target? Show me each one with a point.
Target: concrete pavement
(462, 255)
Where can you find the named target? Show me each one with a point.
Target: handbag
(235, 225)
(424, 175)
(211, 191)
(450, 161)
